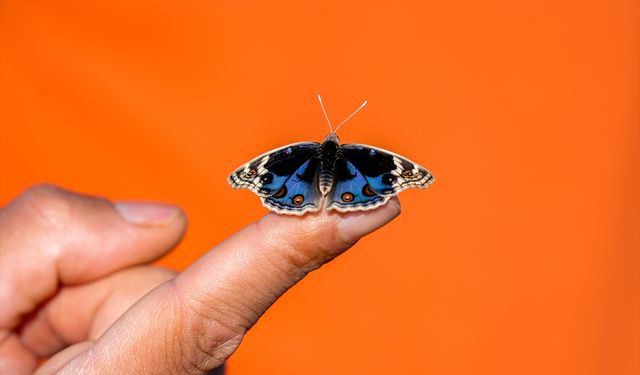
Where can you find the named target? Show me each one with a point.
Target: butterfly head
(332, 137)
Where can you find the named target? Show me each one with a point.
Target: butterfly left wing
(267, 173)
(387, 173)
(299, 194)
(283, 178)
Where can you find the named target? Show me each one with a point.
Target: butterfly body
(304, 177)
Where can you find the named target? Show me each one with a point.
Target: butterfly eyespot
(266, 179)
(297, 199)
(281, 192)
(389, 179)
(251, 173)
(407, 173)
(347, 197)
(367, 191)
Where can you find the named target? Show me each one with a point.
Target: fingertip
(153, 222)
(355, 225)
(324, 234)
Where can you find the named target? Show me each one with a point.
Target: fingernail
(146, 213)
(356, 225)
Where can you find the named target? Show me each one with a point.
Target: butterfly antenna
(325, 113)
(351, 115)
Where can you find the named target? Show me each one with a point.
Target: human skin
(76, 285)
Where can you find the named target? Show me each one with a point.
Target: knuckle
(49, 204)
(43, 191)
(211, 352)
(209, 333)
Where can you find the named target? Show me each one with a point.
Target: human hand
(75, 284)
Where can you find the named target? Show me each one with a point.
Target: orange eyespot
(297, 199)
(407, 173)
(251, 173)
(281, 192)
(347, 197)
(367, 191)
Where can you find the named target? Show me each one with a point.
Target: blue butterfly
(304, 177)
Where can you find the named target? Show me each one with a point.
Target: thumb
(196, 321)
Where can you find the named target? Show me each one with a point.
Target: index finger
(193, 323)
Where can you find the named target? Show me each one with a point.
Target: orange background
(522, 258)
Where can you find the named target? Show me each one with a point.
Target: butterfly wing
(352, 191)
(284, 178)
(299, 193)
(365, 178)
(386, 173)
(267, 173)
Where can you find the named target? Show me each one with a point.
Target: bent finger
(84, 312)
(52, 236)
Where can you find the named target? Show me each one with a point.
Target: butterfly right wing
(386, 172)
(352, 191)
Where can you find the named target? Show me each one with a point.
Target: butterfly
(304, 177)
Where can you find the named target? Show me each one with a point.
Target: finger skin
(15, 357)
(52, 238)
(85, 311)
(50, 367)
(194, 322)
